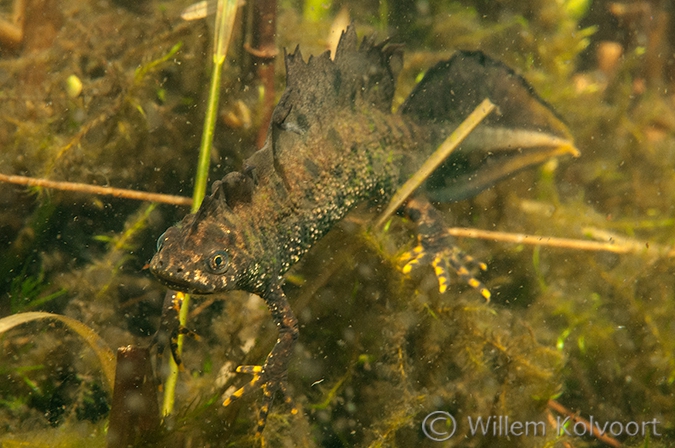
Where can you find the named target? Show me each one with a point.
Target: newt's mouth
(181, 286)
(179, 279)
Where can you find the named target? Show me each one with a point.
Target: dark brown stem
(657, 48)
(134, 414)
(263, 51)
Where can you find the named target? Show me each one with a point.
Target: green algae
(378, 351)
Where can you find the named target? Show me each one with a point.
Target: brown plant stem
(95, 189)
(263, 51)
(562, 243)
(575, 418)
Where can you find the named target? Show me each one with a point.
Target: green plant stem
(226, 12)
(207, 138)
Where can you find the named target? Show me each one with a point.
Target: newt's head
(205, 253)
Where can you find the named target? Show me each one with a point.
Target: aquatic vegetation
(27, 292)
(51, 388)
(378, 351)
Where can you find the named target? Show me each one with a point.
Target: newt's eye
(160, 241)
(218, 262)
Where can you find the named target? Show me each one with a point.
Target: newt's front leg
(170, 328)
(272, 375)
(436, 247)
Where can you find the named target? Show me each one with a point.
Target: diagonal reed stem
(434, 161)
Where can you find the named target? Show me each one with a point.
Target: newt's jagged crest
(359, 75)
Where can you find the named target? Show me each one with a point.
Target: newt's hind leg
(436, 247)
(269, 387)
(271, 376)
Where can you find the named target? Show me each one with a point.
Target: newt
(333, 142)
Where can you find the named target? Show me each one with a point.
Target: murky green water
(590, 331)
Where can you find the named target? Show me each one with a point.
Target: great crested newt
(334, 142)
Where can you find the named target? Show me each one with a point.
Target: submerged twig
(563, 243)
(96, 189)
(435, 160)
(591, 429)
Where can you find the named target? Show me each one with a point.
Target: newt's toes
(444, 260)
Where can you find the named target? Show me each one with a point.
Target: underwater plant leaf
(105, 356)
(143, 70)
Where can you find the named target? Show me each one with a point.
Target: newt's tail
(523, 131)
